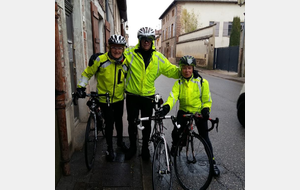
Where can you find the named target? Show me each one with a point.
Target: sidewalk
(223, 74)
(119, 174)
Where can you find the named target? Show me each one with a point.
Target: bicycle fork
(167, 171)
(96, 130)
(190, 142)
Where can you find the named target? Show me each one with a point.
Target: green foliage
(235, 32)
(188, 21)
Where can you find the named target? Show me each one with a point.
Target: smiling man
(110, 70)
(145, 66)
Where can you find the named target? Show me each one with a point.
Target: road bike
(161, 163)
(95, 126)
(193, 160)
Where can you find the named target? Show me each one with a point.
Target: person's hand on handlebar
(163, 111)
(205, 113)
(81, 92)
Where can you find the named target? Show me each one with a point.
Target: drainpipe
(60, 101)
(106, 8)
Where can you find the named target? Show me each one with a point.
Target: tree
(235, 32)
(188, 21)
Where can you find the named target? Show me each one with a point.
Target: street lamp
(126, 27)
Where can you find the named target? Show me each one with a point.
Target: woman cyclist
(193, 94)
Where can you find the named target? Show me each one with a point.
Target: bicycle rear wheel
(161, 175)
(193, 172)
(90, 142)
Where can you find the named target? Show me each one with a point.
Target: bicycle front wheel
(101, 125)
(161, 172)
(90, 142)
(193, 163)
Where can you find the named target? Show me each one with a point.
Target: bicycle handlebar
(213, 121)
(91, 95)
(153, 118)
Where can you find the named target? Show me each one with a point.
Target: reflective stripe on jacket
(192, 96)
(139, 80)
(110, 77)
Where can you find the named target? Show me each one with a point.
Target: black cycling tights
(135, 104)
(113, 115)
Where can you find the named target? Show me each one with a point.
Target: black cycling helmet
(146, 32)
(117, 39)
(187, 60)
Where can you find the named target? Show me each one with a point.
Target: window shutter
(95, 27)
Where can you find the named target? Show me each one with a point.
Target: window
(242, 26)
(216, 27)
(166, 33)
(227, 27)
(172, 12)
(172, 28)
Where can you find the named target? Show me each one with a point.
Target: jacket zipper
(112, 98)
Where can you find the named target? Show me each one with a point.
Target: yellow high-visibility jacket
(192, 96)
(140, 81)
(110, 77)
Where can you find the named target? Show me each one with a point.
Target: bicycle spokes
(193, 164)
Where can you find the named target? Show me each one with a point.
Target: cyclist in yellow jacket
(110, 69)
(145, 66)
(193, 94)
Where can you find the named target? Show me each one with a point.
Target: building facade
(82, 28)
(207, 12)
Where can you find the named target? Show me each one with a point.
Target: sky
(142, 13)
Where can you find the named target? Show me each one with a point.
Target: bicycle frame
(158, 131)
(91, 134)
(93, 104)
(190, 128)
(158, 137)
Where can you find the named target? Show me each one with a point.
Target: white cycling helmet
(117, 39)
(146, 32)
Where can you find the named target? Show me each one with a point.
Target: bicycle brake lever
(175, 122)
(217, 121)
(177, 125)
(140, 127)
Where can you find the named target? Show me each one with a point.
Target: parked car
(241, 106)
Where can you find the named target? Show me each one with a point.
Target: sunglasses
(146, 39)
